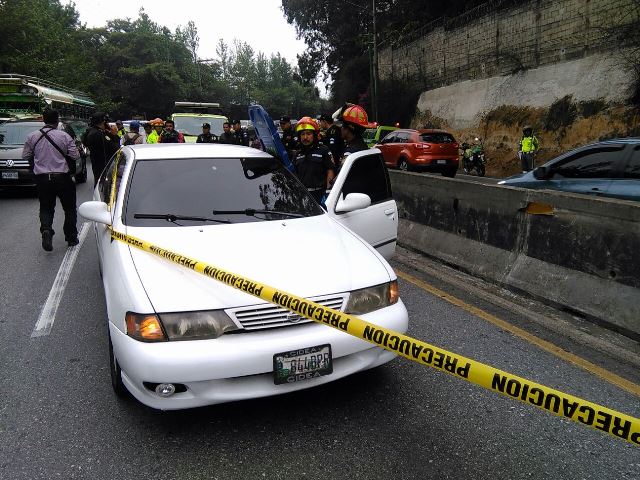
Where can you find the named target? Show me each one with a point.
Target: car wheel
(116, 373)
(449, 172)
(403, 165)
(82, 176)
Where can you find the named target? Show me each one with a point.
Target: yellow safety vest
(529, 144)
(153, 137)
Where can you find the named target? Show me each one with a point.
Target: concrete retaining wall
(586, 256)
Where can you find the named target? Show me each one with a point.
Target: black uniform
(229, 138)
(312, 165)
(242, 137)
(207, 138)
(333, 139)
(290, 142)
(102, 145)
(356, 145)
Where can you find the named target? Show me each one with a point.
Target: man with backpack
(133, 137)
(49, 152)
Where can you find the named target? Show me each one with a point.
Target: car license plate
(10, 175)
(302, 364)
(441, 162)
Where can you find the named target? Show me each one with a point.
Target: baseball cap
(285, 119)
(206, 125)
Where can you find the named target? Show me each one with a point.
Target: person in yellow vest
(154, 136)
(529, 146)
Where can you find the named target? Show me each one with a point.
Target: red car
(429, 150)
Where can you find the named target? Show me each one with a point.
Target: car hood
(10, 151)
(307, 257)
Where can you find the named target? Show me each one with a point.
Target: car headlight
(501, 182)
(196, 325)
(369, 299)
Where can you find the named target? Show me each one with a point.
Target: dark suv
(14, 171)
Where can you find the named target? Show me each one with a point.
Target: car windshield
(437, 138)
(236, 189)
(193, 125)
(16, 133)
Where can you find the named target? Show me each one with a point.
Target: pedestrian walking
(47, 151)
(102, 143)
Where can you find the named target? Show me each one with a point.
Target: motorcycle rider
(473, 157)
(528, 147)
(313, 163)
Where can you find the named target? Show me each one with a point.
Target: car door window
(368, 175)
(106, 179)
(633, 167)
(403, 137)
(390, 138)
(594, 163)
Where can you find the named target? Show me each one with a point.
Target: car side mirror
(353, 201)
(96, 212)
(541, 173)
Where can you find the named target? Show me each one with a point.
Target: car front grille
(260, 317)
(14, 163)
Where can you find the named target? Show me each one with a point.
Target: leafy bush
(561, 114)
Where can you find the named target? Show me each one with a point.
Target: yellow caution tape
(554, 401)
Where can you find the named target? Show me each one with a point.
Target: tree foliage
(339, 37)
(139, 67)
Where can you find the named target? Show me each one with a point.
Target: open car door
(365, 173)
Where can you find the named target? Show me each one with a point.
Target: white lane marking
(48, 314)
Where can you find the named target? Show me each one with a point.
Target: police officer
(529, 146)
(101, 142)
(46, 150)
(206, 136)
(332, 137)
(242, 137)
(313, 163)
(288, 136)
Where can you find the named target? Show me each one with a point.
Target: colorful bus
(22, 96)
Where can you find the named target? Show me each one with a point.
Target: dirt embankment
(563, 126)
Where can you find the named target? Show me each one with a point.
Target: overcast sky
(260, 23)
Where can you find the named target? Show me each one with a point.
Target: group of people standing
(318, 149)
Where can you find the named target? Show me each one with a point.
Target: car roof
(627, 140)
(432, 130)
(194, 150)
(24, 121)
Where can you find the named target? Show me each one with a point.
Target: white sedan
(178, 339)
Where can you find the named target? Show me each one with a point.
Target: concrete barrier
(584, 255)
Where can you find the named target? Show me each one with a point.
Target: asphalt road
(59, 418)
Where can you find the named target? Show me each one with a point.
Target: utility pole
(375, 63)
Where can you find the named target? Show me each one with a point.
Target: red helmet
(307, 123)
(156, 122)
(356, 116)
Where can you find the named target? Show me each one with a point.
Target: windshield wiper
(170, 217)
(252, 211)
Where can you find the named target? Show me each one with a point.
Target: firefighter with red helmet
(313, 163)
(354, 122)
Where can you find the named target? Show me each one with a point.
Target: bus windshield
(193, 125)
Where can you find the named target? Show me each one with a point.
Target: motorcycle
(473, 158)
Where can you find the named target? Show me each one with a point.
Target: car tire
(116, 373)
(82, 176)
(449, 172)
(404, 165)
